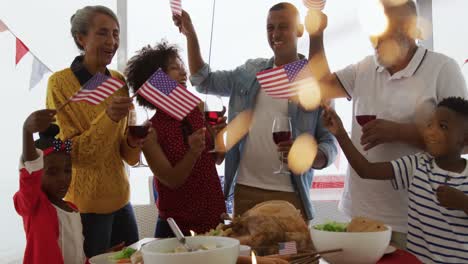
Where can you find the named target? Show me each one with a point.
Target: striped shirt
(435, 234)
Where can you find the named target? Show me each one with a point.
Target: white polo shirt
(429, 77)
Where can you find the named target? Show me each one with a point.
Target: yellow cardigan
(99, 181)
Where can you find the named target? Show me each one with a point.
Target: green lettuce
(332, 226)
(123, 254)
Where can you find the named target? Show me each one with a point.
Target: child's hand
(332, 121)
(39, 121)
(450, 197)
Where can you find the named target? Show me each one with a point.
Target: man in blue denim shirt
(251, 162)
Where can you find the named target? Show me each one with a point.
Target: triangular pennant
(21, 50)
(3, 27)
(37, 72)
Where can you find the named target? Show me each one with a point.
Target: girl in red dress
(187, 182)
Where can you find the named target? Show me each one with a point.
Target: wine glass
(281, 133)
(214, 109)
(138, 126)
(364, 111)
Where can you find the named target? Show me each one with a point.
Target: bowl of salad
(207, 250)
(362, 241)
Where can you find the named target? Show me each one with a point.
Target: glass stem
(282, 161)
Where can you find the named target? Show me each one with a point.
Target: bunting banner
(21, 50)
(3, 27)
(39, 69)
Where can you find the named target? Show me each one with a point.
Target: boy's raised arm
(364, 168)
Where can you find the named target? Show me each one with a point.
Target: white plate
(102, 259)
(390, 249)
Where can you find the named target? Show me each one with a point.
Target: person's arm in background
(364, 168)
(327, 149)
(25, 200)
(169, 175)
(220, 82)
(90, 146)
(330, 86)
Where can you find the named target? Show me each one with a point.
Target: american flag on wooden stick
(284, 81)
(287, 248)
(168, 95)
(315, 4)
(97, 89)
(176, 7)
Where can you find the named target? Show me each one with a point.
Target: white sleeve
(33, 165)
(450, 81)
(403, 169)
(347, 78)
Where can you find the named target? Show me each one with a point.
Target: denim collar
(271, 62)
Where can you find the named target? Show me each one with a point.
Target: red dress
(197, 204)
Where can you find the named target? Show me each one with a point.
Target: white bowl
(226, 252)
(358, 247)
(244, 250)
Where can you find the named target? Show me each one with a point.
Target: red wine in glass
(138, 131)
(364, 119)
(212, 117)
(281, 136)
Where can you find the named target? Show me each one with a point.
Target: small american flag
(287, 248)
(283, 81)
(168, 95)
(97, 89)
(315, 4)
(176, 7)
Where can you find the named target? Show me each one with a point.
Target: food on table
(332, 226)
(266, 225)
(363, 224)
(357, 224)
(122, 256)
(137, 258)
(181, 248)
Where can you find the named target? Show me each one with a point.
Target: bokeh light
(389, 52)
(313, 21)
(394, 2)
(254, 258)
(372, 17)
(302, 154)
(309, 94)
(235, 130)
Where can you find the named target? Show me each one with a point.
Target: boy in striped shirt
(436, 181)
